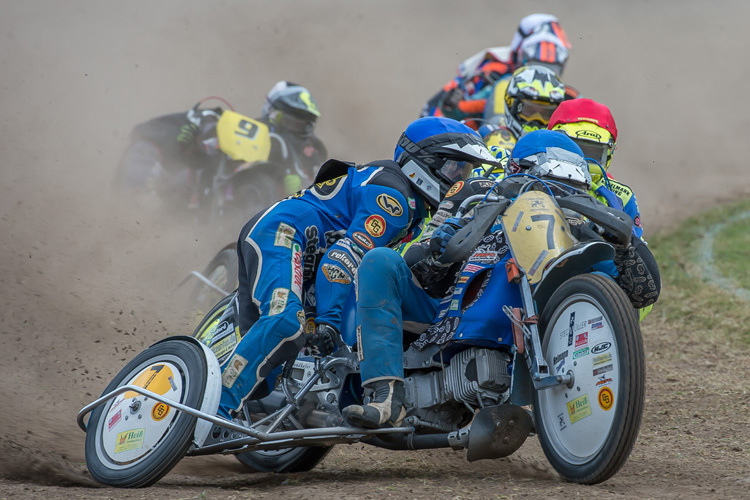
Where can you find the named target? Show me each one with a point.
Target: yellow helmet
(533, 94)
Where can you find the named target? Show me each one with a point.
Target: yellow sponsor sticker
(579, 408)
(606, 398)
(390, 205)
(130, 440)
(375, 225)
(159, 411)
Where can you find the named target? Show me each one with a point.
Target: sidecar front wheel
(132, 441)
(590, 330)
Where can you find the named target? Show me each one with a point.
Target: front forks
(529, 325)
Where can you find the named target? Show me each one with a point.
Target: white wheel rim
(133, 425)
(578, 420)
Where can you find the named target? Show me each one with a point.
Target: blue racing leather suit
(313, 240)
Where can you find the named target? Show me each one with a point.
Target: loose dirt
(85, 277)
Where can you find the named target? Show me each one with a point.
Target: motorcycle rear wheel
(588, 430)
(297, 459)
(222, 272)
(135, 445)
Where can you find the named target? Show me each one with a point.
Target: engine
(475, 378)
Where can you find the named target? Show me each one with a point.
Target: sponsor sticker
(224, 346)
(581, 353)
(560, 357)
(344, 259)
(582, 339)
(130, 440)
(375, 225)
(579, 408)
(363, 240)
(603, 369)
(159, 411)
(455, 189)
(278, 301)
(284, 236)
(571, 324)
(310, 326)
(412, 203)
(390, 205)
(454, 305)
(301, 317)
(463, 279)
(594, 320)
(335, 274)
(597, 325)
(604, 380)
(472, 268)
(606, 398)
(235, 366)
(561, 420)
(559, 367)
(114, 420)
(601, 359)
(601, 347)
(297, 270)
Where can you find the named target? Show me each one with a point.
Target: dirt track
(83, 277)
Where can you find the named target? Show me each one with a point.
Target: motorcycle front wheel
(587, 429)
(132, 441)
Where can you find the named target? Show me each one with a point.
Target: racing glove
(187, 136)
(321, 343)
(443, 234)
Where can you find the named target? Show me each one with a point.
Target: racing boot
(383, 408)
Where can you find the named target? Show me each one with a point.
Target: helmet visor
(594, 150)
(454, 171)
(529, 111)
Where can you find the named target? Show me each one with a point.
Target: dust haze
(85, 276)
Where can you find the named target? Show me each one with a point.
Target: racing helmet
(533, 94)
(290, 107)
(544, 49)
(590, 125)
(436, 152)
(536, 23)
(497, 136)
(551, 155)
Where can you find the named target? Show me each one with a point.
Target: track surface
(84, 276)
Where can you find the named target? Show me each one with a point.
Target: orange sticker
(160, 411)
(375, 225)
(455, 189)
(606, 398)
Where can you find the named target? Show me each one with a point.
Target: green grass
(732, 252)
(688, 301)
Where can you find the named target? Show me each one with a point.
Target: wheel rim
(133, 425)
(578, 420)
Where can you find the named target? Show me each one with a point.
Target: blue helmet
(436, 152)
(545, 153)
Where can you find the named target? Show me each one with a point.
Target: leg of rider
(278, 334)
(387, 295)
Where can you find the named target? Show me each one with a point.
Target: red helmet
(584, 110)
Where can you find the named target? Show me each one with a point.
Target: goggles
(529, 111)
(595, 151)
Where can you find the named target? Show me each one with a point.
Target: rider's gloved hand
(188, 135)
(321, 343)
(443, 234)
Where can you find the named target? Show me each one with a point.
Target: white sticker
(233, 370)
(278, 301)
